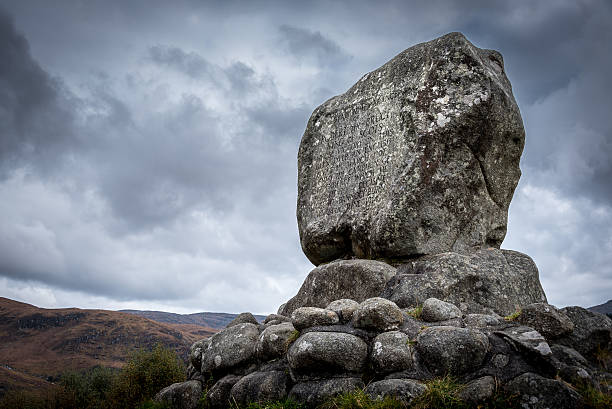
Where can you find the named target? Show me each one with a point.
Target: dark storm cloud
(35, 117)
(303, 44)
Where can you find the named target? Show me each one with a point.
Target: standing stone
(420, 156)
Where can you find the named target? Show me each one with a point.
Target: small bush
(145, 374)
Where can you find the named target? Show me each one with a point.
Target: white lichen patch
(378, 348)
(217, 360)
(304, 346)
(442, 120)
(544, 349)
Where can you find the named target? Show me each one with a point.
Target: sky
(148, 149)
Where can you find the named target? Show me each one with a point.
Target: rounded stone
(218, 396)
(378, 314)
(182, 395)
(437, 310)
(273, 341)
(317, 354)
(260, 387)
(234, 347)
(314, 393)
(305, 317)
(452, 350)
(391, 352)
(404, 390)
(243, 318)
(344, 308)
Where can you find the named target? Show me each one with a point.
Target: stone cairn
(404, 183)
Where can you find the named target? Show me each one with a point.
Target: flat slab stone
(420, 156)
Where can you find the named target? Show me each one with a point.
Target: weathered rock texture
(483, 281)
(350, 279)
(420, 156)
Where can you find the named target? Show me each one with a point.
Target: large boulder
(321, 354)
(232, 349)
(420, 156)
(482, 281)
(435, 310)
(357, 280)
(592, 332)
(451, 350)
(546, 319)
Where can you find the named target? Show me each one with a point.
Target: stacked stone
(321, 352)
(404, 184)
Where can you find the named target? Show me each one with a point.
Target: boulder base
(482, 281)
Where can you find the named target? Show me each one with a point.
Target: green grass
(416, 312)
(594, 398)
(513, 316)
(292, 338)
(441, 393)
(358, 399)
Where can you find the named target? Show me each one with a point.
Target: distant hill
(38, 344)
(216, 320)
(605, 308)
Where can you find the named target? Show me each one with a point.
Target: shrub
(145, 374)
(416, 312)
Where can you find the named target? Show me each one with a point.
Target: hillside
(605, 308)
(39, 343)
(216, 320)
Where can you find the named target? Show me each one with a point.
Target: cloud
(35, 115)
(311, 46)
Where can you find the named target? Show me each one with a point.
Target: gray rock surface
(276, 318)
(320, 354)
(537, 392)
(260, 387)
(232, 348)
(546, 319)
(478, 390)
(482, 321)
(195, 352)
(218, 396)
(272, 342)
(483, 281)
(378, 314)
(391, 352)
(404, 390)
(182, 395)
(314, 393)
(344, 308)
(437, 310)
(451, 350)
(353, 279)
(305, 317)
(243, 318)
(420, 156)
(527, 339)
(592, 331)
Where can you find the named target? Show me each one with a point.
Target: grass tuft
(292, 338)
(513, 316)
(416, 312)
(441, 393)
(358, 399)
(594, 398)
